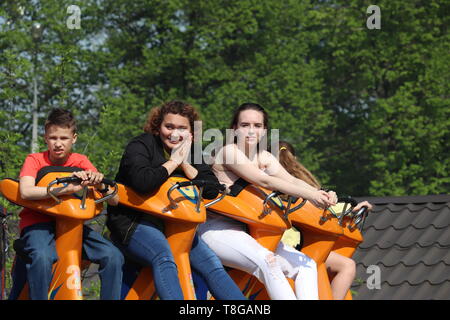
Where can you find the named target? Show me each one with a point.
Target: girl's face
(174, 129)
(59, 141)
(250, 127)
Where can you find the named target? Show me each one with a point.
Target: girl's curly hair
(157, 114)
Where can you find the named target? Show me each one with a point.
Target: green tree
(216, 55)
(386, 89)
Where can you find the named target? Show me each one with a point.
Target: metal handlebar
(289, 210)
(301, 204)
(224, 193)
(348, 199)
(288, 206)
(344, 214)
(356, 217)
(360, 216)
(85, 189)
(110, 183)
(199, 183)
(267, 209)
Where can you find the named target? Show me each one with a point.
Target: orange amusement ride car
(70, 212)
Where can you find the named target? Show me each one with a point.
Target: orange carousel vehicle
(70, 212)
(324, 231)
(352, 224)
(264, 214)
(320, 229)
(268, 217)
(178, 202)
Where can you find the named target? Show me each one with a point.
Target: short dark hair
(61, 118)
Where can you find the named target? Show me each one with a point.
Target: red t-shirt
(35, 162)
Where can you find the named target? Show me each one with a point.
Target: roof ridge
(440, 198)
(398, 229)
(406, 265)
(388, 206)
(415, 243)
(415, 284)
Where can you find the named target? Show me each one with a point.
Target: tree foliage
(366, 109)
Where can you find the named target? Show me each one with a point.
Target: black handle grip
(347, 199)
(109, 182)
(201, 183)
(68, 180)
(184, 184)
(363, 210)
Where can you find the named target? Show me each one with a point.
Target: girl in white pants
(228, 238)
(237, 249)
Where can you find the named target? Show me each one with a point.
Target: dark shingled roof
(408, 238)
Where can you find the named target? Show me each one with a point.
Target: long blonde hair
(294, 167)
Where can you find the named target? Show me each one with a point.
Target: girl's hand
(363, 204)
(188, 143)
(320, 199)
(181, 152)
(332, 196)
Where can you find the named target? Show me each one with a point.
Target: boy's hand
(89, 178)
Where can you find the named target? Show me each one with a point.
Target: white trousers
(237, 249)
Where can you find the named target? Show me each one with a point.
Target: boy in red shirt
(38, 229)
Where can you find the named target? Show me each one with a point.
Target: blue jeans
(209, 267)
(39, 246)
(149, 247)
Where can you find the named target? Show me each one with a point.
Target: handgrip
(74, 179)
(68, 180)
(109, 182)
(198, 183)
(347, 199)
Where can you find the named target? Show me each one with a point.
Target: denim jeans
(39, 246)
(149, 247)
(209, 267)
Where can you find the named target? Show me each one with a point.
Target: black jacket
(141, 169)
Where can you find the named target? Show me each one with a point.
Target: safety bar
(199, 183)
(356, 217)
(360, 216)
(73, 179)
(347, 200)
(266, 208)
(301, 204)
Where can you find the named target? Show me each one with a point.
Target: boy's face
(59, 141)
